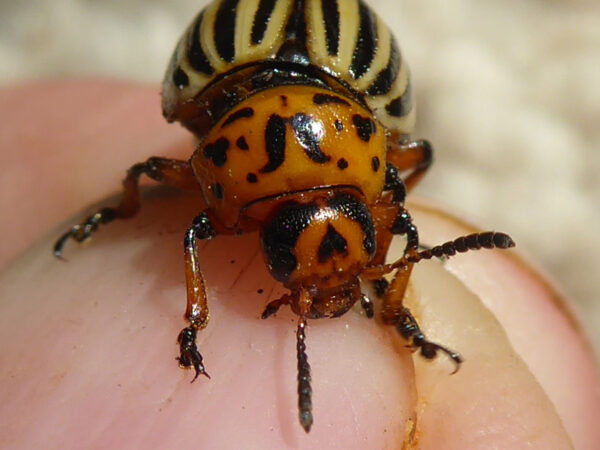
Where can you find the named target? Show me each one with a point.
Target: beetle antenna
(304, 389)
(475, 241)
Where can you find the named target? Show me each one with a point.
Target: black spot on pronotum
(375, 163)
(339, 126)
(217, 190)
(333, 242)
(180, 78)
(241, 143)
(365, 127)
(217, 152)
(260, 291)
(251, 178)
(283, 99)
(342, 163)
(309, 132)
(243, 113)
(322, 99)
(275, 143)
(261, 20)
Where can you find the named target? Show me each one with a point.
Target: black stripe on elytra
(224, 29)
(196, 56)
(294, 47)
(275, 143)
(309, 133)
(402, 105)
(384, 81)
(180, 78)
(331, 18)
(243, 113)
(333, 242)
(217, 152)
(323, 99)
(261, 20)
(366, 44)
(352, 208)
(279, 237)
(365, 127)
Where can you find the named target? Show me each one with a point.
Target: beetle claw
(190, 356)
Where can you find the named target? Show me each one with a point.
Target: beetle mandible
(303, 113)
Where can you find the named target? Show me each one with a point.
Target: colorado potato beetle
(303, 113)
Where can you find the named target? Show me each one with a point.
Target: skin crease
(89, 345)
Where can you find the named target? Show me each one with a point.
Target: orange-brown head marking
(320, 245)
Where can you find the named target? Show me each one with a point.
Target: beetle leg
(273, 306)
(392, 219)
(169, 171)
(413, 156)
(367, 304)
(197, 308)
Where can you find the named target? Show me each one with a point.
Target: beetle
(303, 112)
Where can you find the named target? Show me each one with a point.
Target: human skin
(89, 344)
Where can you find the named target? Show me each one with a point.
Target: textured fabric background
(508, 91)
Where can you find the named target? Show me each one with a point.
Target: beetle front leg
(197, 307)
(413, 156)
(169, 171)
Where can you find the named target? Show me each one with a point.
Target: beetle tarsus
(190, 356)
(408, 327)
(83, 231)
(367, 305)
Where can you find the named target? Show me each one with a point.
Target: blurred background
(508, 91)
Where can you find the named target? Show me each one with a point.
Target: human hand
(89, 349)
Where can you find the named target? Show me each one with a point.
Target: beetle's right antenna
(304, 389)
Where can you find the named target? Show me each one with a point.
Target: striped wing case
(344, 39)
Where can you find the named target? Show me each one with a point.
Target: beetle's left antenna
(304, 389)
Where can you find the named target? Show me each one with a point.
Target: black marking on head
(251, 178)
(366, 45)
(196, 56)
(339, 126)
(279, 237)
(333, 242)
(275, 143)
(241, 143)
(385, 80)
(180, 78)
(355, 210)
(224, 29)
(402, 105)
(294, 47)
(261, 20)
(342, 163)
(217, 190)
(375, 163)
(283, 99)
(217, 152)
(243, 113)
(331, 16)
(309, 132)
(323, 99)
(365, 127)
